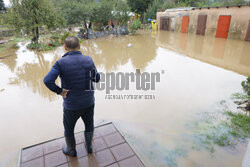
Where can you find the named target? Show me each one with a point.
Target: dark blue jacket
(77, 72)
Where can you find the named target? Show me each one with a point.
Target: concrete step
(109, 147)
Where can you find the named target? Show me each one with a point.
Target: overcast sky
(6, 2)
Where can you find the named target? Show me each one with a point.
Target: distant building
(2, 6)
(221, 21)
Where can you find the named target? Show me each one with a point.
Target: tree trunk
(35, 32)
(90, 25)
(85, 25)
(87, 30)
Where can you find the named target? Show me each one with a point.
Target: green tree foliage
(139, 6)
(77, 11)
(223, 3)
(84, 12)
(121, 13)
(188, 2)
(202, 3)
(28, 16)
(168, 5)
(103, 12)
(87, 12)
(152, 9)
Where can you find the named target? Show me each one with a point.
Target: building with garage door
(221, 21)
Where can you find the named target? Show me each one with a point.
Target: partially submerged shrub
(42, 46)
(246, 85)
(50, 42)
(134, 26)
(34, 46)
(243, 97)
(64, 36)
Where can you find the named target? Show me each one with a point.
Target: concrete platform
(109, 146)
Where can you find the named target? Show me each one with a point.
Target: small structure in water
(110, 150)
(220, 21)
(90, 34)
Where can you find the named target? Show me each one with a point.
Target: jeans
(70, 118)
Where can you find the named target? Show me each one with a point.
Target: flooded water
(196, 74)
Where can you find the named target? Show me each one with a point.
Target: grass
(47, 42)
(240, 123)
(222, 128)
(11, 44)
(3, 28)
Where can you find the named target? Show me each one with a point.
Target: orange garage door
(184, 25)
(223, 26)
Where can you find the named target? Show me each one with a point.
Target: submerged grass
(11, 44)
(223, 128)
(240, 123)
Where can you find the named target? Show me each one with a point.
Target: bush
(42, 46)
(55, 40)
(64, 36)
(50, 43)
(67, 34)
(134, 26)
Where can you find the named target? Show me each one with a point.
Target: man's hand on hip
(64, 93)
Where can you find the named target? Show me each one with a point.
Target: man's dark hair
(72, 42)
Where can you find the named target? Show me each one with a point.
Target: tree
(152, 9)
(121, 13)
(28, 16)
(78, 11)
(168, 5)
(103, 12)
(2, 6)
(139, 6)
(86, 12)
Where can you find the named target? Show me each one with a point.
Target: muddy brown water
(199, 72)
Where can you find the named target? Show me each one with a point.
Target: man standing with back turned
(77, 72)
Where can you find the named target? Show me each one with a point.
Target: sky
(6, 2)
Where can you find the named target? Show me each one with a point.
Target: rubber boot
(70, 149)
(88, 141)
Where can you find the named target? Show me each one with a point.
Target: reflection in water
(117, 52)
(30, 75)
(112, 52)
(219, 48)
(198, 45)
(229, 54)
(155, 128)
(10, 61)
(245, 55)
(183, 40)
